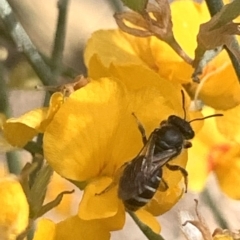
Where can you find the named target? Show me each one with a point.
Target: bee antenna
(183, 105)
(214, 115)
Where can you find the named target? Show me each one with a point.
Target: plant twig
(59, 41)
(24, 44)
(12, 157)
(206, 196)
(147, 231)
(116, 5)
(214, 6)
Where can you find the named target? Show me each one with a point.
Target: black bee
(142, 176)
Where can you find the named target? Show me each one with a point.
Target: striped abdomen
(150, 187)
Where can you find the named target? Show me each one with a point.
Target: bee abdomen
(142, 199)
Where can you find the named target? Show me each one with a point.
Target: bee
(142, 176)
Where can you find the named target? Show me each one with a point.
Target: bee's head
(184, 127)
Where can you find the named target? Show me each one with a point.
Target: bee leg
(163, 185)
(115, 180)
(187, 144)
(182, 170)
(109, 187)
(141, 129)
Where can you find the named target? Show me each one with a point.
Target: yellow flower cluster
(89, 135)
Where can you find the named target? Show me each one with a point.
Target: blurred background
(84, 17)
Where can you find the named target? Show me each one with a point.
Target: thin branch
(214, 6)
(24, 44)
(12, 157)
(147, 231)
(115, 5)
(206, 196)
(57, 54)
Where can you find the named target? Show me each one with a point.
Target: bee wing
(132, 180)
(135, 175)
(163, 157)
(148, 146)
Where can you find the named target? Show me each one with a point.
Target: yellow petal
(222, 237)
(173, 177)
(220, 234)
(78, 142)
(199, 162)
(115, 222)
(71, 228)
(197, 165)
(228, 94)
(96, 68)
(45, 230)
(14, 209)
(137, 77)
(4, 144)
(227, 168)
(95, 206)
(186, 26)
(56, 101)
(164, 201)
(75, 228)
(228, 125)
(148, 219)
(94, 131)
(187, 17)
(104, 44)
(18, 131)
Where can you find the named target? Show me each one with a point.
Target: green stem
(24, 44)
(13, 162)
(116, 5)
(12, 157)
(206, 196)
(33, 148)
(57, 54)
(214, 6)
(147, 231)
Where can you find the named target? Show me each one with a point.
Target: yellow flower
(150, 52)
(94, 133)
(71, 228)
(14, 208)
(219, 154)
(18, 131)
(200, 155)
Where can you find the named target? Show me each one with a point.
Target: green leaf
(228, 13)
(136, 5)
(39, 188)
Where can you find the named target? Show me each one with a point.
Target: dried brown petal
(155, 20)
(218, 31)
(200, 224)
(66, 89)
(135, 19)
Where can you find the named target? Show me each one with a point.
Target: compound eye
(189, 134)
